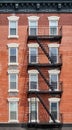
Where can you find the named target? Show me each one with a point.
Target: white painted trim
(54, 99)
(53, 71)
(36, 18)
(53, 18)
(13, 18)
(54, 45)
(33, 99)
(33, 45)
(33, 72)
(13, 99)
(13, 71)
(13, 45)
(13, 90)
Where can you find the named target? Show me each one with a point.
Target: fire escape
(41, 37)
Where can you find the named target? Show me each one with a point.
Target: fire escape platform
(44, 125)
(45, 37)
(45, 65)
(45, 92)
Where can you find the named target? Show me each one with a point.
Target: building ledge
(32, 6)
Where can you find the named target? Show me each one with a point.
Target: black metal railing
(45, 31)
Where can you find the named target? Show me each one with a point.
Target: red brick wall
(66, 74)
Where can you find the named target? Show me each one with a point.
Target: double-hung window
(53, 25)
(13, 54)
(54, 109)
(33, 25)
(13, 110)
(33, 55)
(33, 81)
(53, 53)
(13, 80)
(54, 79)
(33, 28)
(13, 26)
(33, 110)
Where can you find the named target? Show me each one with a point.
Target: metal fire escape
(40, 38)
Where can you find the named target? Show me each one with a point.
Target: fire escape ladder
(44, 50)
(42, 75)
(42, 102)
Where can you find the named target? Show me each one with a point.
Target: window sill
(52, 121)
(13, 36)
(13, 91)
(33, 121)
(13, 121)
(9, 64)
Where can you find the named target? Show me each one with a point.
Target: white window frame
(35, 45)
(15, 100)
(51, 19)
(13, 18)
(54, 72)
(54, 100)
(33, 100)
(30, 72)
(16, 72)
(33, 19)
(55, 45)
(13, 45)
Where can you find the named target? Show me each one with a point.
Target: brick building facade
(35, 65)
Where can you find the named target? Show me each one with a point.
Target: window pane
(13, 31)
(53, 30)
(12, 115)
(12, 24)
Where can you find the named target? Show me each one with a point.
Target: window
(13, 110)
(13, 80)
(33, 110)
(54, 79)
(53, 25)
(54, 108)
(33, 25)
(13, 26)
(53, 53)
(13, 54)
(33, 81)
(33, 55)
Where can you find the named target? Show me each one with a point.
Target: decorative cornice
(35, 6)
